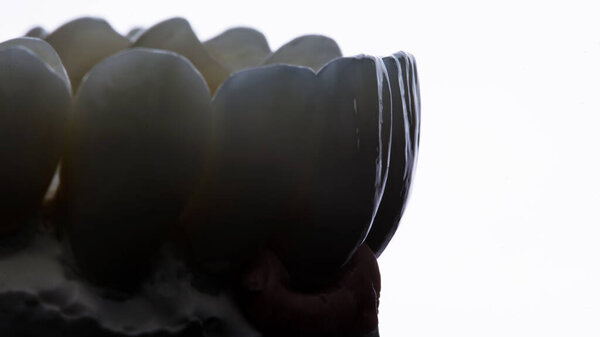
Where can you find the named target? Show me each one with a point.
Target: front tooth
(349, 178)
(239, 48)
(406, 116)
(177, 35)
(44, 51)
(84, 42)
(265, 144)
(140, 123)
(38, 32)
(312, 51)
(34, 103)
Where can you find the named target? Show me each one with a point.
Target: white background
(501, 235)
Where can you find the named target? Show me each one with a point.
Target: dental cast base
(156, 185)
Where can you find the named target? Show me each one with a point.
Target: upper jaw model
(212, 188)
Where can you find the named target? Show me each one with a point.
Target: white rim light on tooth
(355, 109)
(84, 42)
(42, 50)
(177, 35)
(239, 48)
(403, 154)
(312, 51)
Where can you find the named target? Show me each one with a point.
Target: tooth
(38, 32)
(349, 177)
(134, 33)
(140, 123)
(84, 42)
(239, 48)
(300, 161)
(177, 35)
(42, 50)
(312, 51)
(406, 116)
(265, 143)
(34, 103)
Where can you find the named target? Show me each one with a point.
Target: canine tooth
(34, 103)
(312, 51)
(141, 119)
(84, 42)
(239, 48)
(177, 35)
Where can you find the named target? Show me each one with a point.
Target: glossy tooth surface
(265, 143)
(350, 171)
(44, 51)
(34, 106)
(239, 48)
(38, 32)
(405, 143)
(84, 42)
(177, 35)
(139, 130)
(312, 51)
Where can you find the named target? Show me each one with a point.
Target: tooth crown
(140, 123)
(264, 146)
(38, 32)
(34, 105)
(84, 42)
(312, 51)
(405, 142)
(350, 170)
(42, 50)
(239, 48)
(177, 35)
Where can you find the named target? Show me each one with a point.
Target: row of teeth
(231, 145)
(82, 43)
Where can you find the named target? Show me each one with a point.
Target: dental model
(209, 188)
